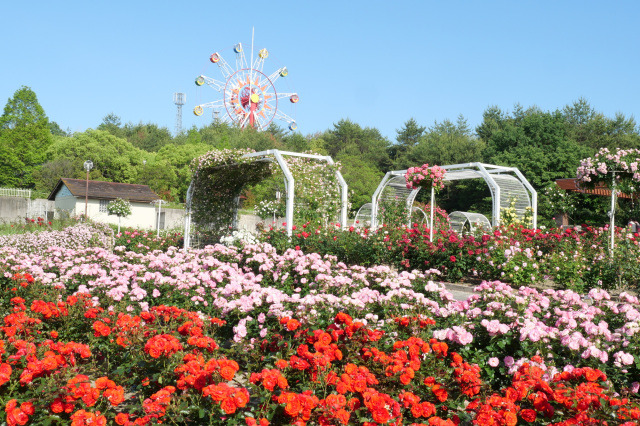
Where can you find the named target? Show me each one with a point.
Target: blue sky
(376, 63)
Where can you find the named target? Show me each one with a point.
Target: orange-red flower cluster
(230, 398)
(196, 373)
(298, 406)
(87, 418)
(573, 396)
(162, 345)
(269, 379)
(18, 414)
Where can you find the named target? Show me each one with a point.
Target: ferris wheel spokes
(258, 64)
(212, 82)
(284, 117)
(282, 72)
(225, 68)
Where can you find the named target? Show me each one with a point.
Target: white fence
(15, 192)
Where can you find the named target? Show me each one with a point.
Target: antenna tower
(179, 99)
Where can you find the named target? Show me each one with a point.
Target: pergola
(289, 183)
(507, 184)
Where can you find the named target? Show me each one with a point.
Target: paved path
(459, 291)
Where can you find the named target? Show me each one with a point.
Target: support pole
(613, 219)
(433, 194)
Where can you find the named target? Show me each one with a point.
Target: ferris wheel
(248, 95)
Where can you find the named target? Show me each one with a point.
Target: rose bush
(575, 258)
(67, 360)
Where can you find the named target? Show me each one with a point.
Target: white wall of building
(143, 215)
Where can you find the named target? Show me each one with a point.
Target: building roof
(106, 190)
(600, 189)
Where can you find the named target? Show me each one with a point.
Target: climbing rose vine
(617, 169)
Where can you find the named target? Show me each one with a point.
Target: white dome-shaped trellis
(363, 216)
(459, 221)
(507, 185)
(418, 215)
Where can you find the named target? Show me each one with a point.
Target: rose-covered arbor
(619, 171)
(219, 177)
(505, 183)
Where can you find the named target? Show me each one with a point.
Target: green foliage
(588, 127)
(348, 138)
(24, 139)
(114, 158)
(219, 176)
(47, 176)
(149, 137)
(444, 143)
(408, 137)
(361, 177)
(535, 142)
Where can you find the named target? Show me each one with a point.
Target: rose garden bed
(245, 335)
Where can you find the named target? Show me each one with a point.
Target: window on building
(103, 206)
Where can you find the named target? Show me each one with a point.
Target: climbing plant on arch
(619, 170)
(314, 188)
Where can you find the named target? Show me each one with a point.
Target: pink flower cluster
(425, 177)
(619, 168)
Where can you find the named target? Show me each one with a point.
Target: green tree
(348, 137)
(444, 143)
(47, 176)
(24, 138)
(408, 137)
(56, 130)
(178, 158)
(362, 178)
(148, 137)
(590, 128)
(111, 123)
(114, 158)
(534, 141)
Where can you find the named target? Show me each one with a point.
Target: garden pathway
(459, 291)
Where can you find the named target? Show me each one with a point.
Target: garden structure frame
(505, 183)
(289, 183)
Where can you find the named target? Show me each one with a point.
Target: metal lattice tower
(179, 99)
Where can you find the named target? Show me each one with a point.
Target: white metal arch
(278, 155)
(505, 184)
(458, 220)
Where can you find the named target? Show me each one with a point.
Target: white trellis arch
(475, 221)
(289, 182)
(505, 183)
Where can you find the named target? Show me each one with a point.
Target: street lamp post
(88, 165)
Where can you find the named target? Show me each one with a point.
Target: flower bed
(76, 236)
(143, 241)
(66, 360)
(578, 260)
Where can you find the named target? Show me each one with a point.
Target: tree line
(545, 145)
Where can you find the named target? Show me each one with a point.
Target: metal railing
(15, 192)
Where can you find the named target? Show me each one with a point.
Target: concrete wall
(173, 219)
(14, 209)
